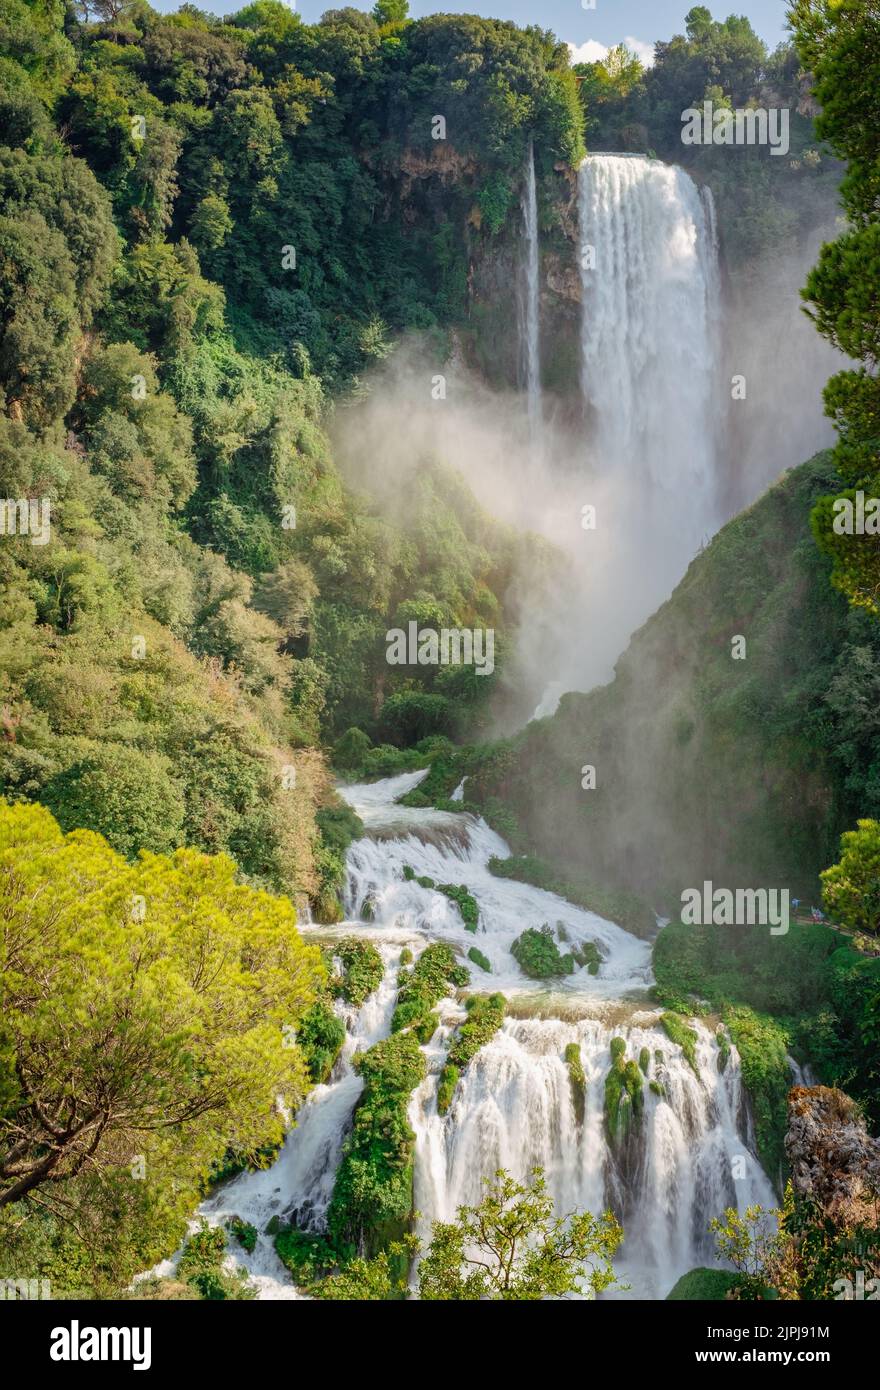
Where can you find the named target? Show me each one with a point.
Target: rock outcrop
(834, 1161)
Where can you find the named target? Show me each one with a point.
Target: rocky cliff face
(834, 1161)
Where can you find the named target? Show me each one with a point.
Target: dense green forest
(211, 231)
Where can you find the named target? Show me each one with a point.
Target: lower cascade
(673, 1153)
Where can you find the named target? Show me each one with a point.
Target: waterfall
(690, 1155)
(649, 343)
(532, 352)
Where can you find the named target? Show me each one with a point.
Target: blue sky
(641, 22)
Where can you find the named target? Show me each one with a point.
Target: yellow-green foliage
(150, 1014)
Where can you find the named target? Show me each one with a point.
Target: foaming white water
(690, 1156)
(299, 1184)
(532, 353)
(650, 307)
(450, 848)
(650, 373)
(514, 1109)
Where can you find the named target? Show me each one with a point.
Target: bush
(362, 970)
(432, 976)
(372, 1196)
(538, 956)
(129, 797)
(476, 955)
(320, 1036)
(465, 901)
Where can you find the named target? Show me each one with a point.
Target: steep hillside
(744, 771)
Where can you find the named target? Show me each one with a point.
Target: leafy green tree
(851, 888)
(513, 1246)
(839, 41)
(149, 1010)
(390, 11)
(130, 797)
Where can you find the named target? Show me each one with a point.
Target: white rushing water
(691, 1156)
(649, 273)
(531, 343)
(653, 397)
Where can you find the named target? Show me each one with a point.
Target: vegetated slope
(210, 602)
(707, 767)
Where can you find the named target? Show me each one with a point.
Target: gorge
(433, 594)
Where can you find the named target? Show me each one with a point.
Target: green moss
(645, 1060)
(762, 1044)
(434, 974)
(244, 1233)
(362, 970)
(406, 956)
(657, 1089)
(624, 1096)
(307, 1256)
(372, 1196)
(465, 901)
(678, 1032)
(706, 1285)
(476, 955)
(578, 1080)
(538, 956)
(320, 1036)
(446, 1088)
(485, 1016)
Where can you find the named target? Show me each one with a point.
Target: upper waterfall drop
(531, 344)
(650, 336)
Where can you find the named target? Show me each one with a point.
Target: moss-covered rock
(485, 1016)
(465, 902)
(706, 1285)
(244, 1233)
(762, 1044)
(320, 1036)
(435, 973)
(624, 1097)
(372, 1196)
(538, 956)
(679, 1032)
(577, 1078)
(476, 955)
(446, 1088)
(362, 970)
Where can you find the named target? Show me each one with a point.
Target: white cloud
(594, 52)
(589, 52)
(643, 50)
